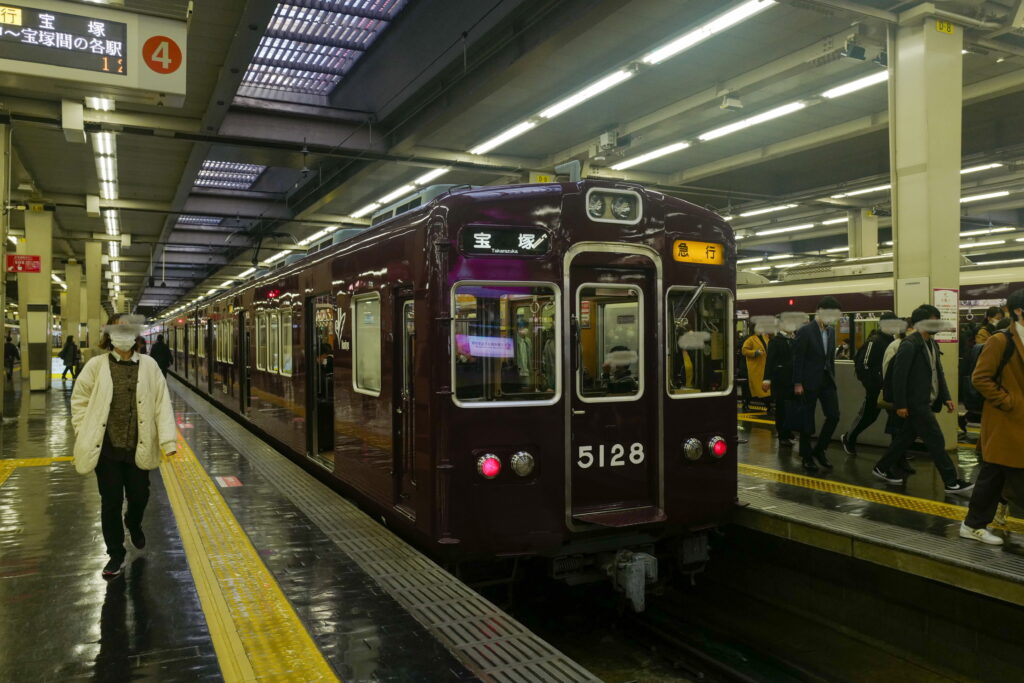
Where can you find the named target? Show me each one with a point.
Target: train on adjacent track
(504, 372)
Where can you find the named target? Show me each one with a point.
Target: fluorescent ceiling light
(395, 194)
(887, 244)
(779, 257)
(373, 206)
(247, 272)
(757, 268)
(430, 175)
(854, 86)
(770, 209)
(750, 260)
(703, 32)
(106, 169)
(982, 197)
(501, 138)
(836, 250)
(592, 90)
(654, 154)
(727, 218)
(866, 190)
(108, 190)
(739, 237)
(982, 167)
(835, 221)
(975, 245)
(279, 255)
(99, 103)
(753, 120)
(317, 235)
(228, 283)
(13, 239)
(791, 265)
(791, 228)
(992, 263)
(104, 143)
(55, 277)
(212, 291)
(987, 231)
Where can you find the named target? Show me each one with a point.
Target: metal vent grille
(228, 175)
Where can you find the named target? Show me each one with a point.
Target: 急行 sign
(76, 42)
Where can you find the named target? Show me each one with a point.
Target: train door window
(286, 343)
(200, 341)
(366, 343)
(699, 345)
(261, 341)
(610, 342)
(505, 343)
(230, 340)
(274, 339)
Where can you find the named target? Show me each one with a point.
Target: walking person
(161, 353)
(121, 414)
(992, 317)
(11, 356)
(999, 378)
(755, 350)
(919, 392)
(868, 366)
(779, 373)
(814, 380)
(69, 354)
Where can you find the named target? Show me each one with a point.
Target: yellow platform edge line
(7, 466)
(897, 500)
(255, 631)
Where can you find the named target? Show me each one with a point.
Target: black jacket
(912, 376)
(779, 370)
(162, 355)
(811, 361)
(877, 344)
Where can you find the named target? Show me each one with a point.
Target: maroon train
(533, 370)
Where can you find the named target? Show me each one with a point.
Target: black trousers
(829, 398)
(781, 416)
(988, 492)
(119, 480)
(869, 412)
(920, 422)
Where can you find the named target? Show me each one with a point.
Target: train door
(321, 342)
(614, 397)
(404, 406)
(244, 364)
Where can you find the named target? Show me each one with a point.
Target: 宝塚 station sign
(79, 49)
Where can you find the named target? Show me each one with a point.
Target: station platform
(253, 571)
(912, 528)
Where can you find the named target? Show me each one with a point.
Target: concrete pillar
(5, 220)
(71, 305)
(93, 283)
(83, 306)
(36, 290)
(925, 107)
(862, 232)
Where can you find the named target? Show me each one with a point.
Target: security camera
(731, 103)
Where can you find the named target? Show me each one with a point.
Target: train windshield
(699, 342)
(505, 343)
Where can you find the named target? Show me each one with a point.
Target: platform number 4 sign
(162, 54)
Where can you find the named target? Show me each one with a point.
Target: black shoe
(851, 449)
(809, 464)
(113, 568)
(823, 460)
(906, 468)
(786, 443)
(138, 538)
(886, 477)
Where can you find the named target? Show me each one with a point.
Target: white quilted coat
(90, 406)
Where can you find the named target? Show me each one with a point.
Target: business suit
(779, 372)
(814, 367)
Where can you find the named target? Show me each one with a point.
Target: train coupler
(631, 573)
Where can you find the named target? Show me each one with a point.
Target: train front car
(590, 417)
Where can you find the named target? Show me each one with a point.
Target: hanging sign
(23, 263)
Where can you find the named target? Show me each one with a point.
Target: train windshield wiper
(693, 300)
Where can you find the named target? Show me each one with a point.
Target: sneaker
(886, 477)
(786, 443)
(113, 568)
(850, 450)
(138, 538)
(1002, 511)
(906, 468)
(959, 488)
(982, 534)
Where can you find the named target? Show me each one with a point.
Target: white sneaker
(982, 534)
(1002, 511)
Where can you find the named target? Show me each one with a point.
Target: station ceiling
(301, 114)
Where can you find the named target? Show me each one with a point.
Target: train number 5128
(614, 456)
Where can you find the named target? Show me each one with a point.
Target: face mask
(122, 340)
(892, 327)
(931, 326)
(828, 315)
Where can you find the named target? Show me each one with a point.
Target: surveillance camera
(731, 103)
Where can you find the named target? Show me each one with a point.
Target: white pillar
(94, 281)
(36, 290)
(862, 232)
(72, 309)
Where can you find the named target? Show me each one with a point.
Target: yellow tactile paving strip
(255, 631)
(897, 500)
(7, 467)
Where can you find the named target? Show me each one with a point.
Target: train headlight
(523, 463)
(595, 205)
(718, 446)
(624, 207)
(488, 465)
(693, 449)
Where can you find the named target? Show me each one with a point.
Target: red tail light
(718, 447)
(489, 466)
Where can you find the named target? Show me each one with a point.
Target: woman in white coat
(122, 417)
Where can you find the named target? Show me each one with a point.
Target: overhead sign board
(23, 263)
(77, 49)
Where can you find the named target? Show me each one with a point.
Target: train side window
(201, 340)
(699, 345)
(286, 343)
(261, 341)
(505, 343)
(610, 345)
(366, 343)
(274, 339)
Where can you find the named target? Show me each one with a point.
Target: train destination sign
(690, 251)
(77, 42)
(491, 241)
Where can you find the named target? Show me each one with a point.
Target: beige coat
(756, 363)
(1002, 418)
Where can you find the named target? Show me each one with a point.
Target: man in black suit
(779, 373)
(814, 378)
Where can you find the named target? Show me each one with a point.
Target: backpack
(860, 360)
(1007, 355)
(887, 399)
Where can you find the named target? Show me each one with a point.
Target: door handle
(578, 412)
